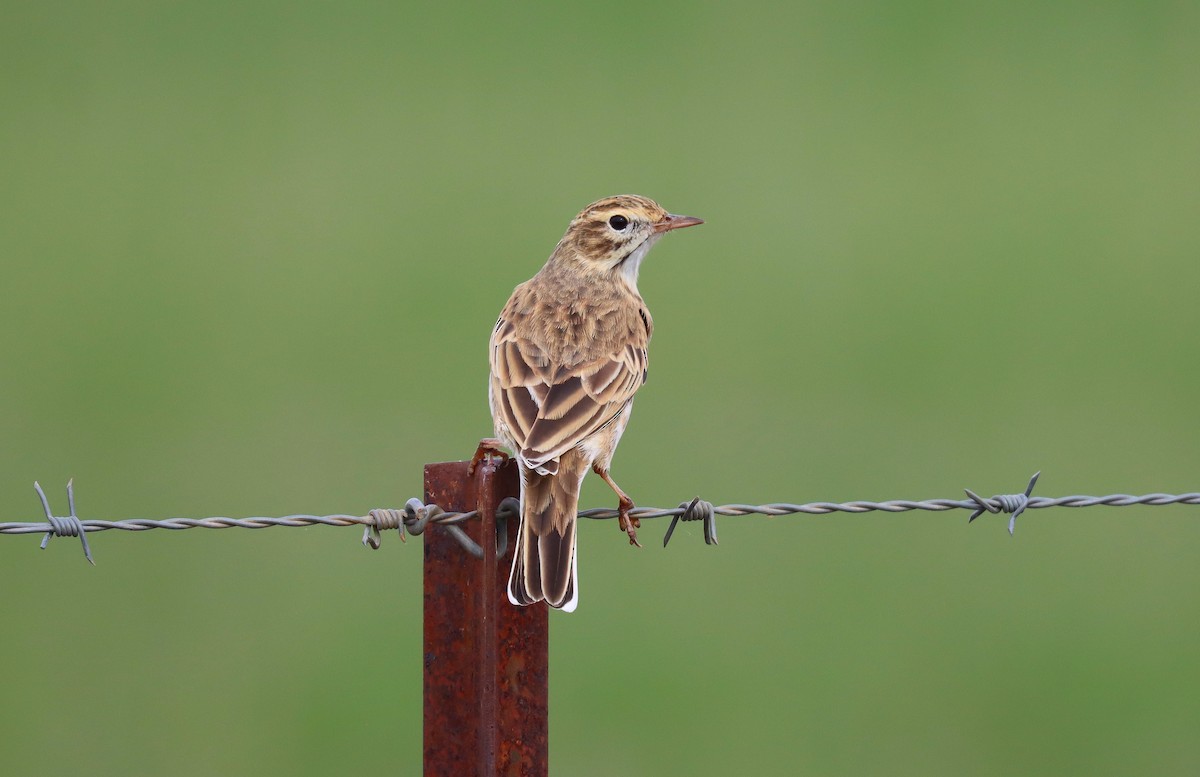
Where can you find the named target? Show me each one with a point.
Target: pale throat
(631, 264)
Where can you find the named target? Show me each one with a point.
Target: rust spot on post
(486, 661)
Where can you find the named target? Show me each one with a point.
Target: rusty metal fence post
(486, 661)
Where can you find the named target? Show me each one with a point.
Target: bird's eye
(618, 222)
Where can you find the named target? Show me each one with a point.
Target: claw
(628, 523)
(488, 447)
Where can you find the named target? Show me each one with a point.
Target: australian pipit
(567, 356)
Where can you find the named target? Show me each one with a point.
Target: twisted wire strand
(415, 516)
(604, 513)
(217, 522)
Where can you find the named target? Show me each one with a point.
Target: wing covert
(550, 409)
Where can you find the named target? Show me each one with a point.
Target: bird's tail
(544, 564)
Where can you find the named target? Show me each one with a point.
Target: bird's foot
(488, 447)
(627, 522)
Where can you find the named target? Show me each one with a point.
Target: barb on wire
(696, 510)
(1009, 503)
(416, 516)
(66, 526)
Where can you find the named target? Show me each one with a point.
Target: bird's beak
(676, 222)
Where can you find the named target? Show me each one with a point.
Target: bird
(567, 355)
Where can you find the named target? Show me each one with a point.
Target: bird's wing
(549, 408)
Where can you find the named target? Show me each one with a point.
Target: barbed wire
(415, 516)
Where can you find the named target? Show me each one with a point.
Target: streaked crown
(612, 230)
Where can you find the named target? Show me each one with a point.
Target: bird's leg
(627, 522)
(488, 447)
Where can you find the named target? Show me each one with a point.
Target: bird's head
(616, 233)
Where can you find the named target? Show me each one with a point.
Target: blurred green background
(251, 254)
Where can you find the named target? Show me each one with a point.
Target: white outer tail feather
(573, 602)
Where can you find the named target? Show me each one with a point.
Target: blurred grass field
(251, 254)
